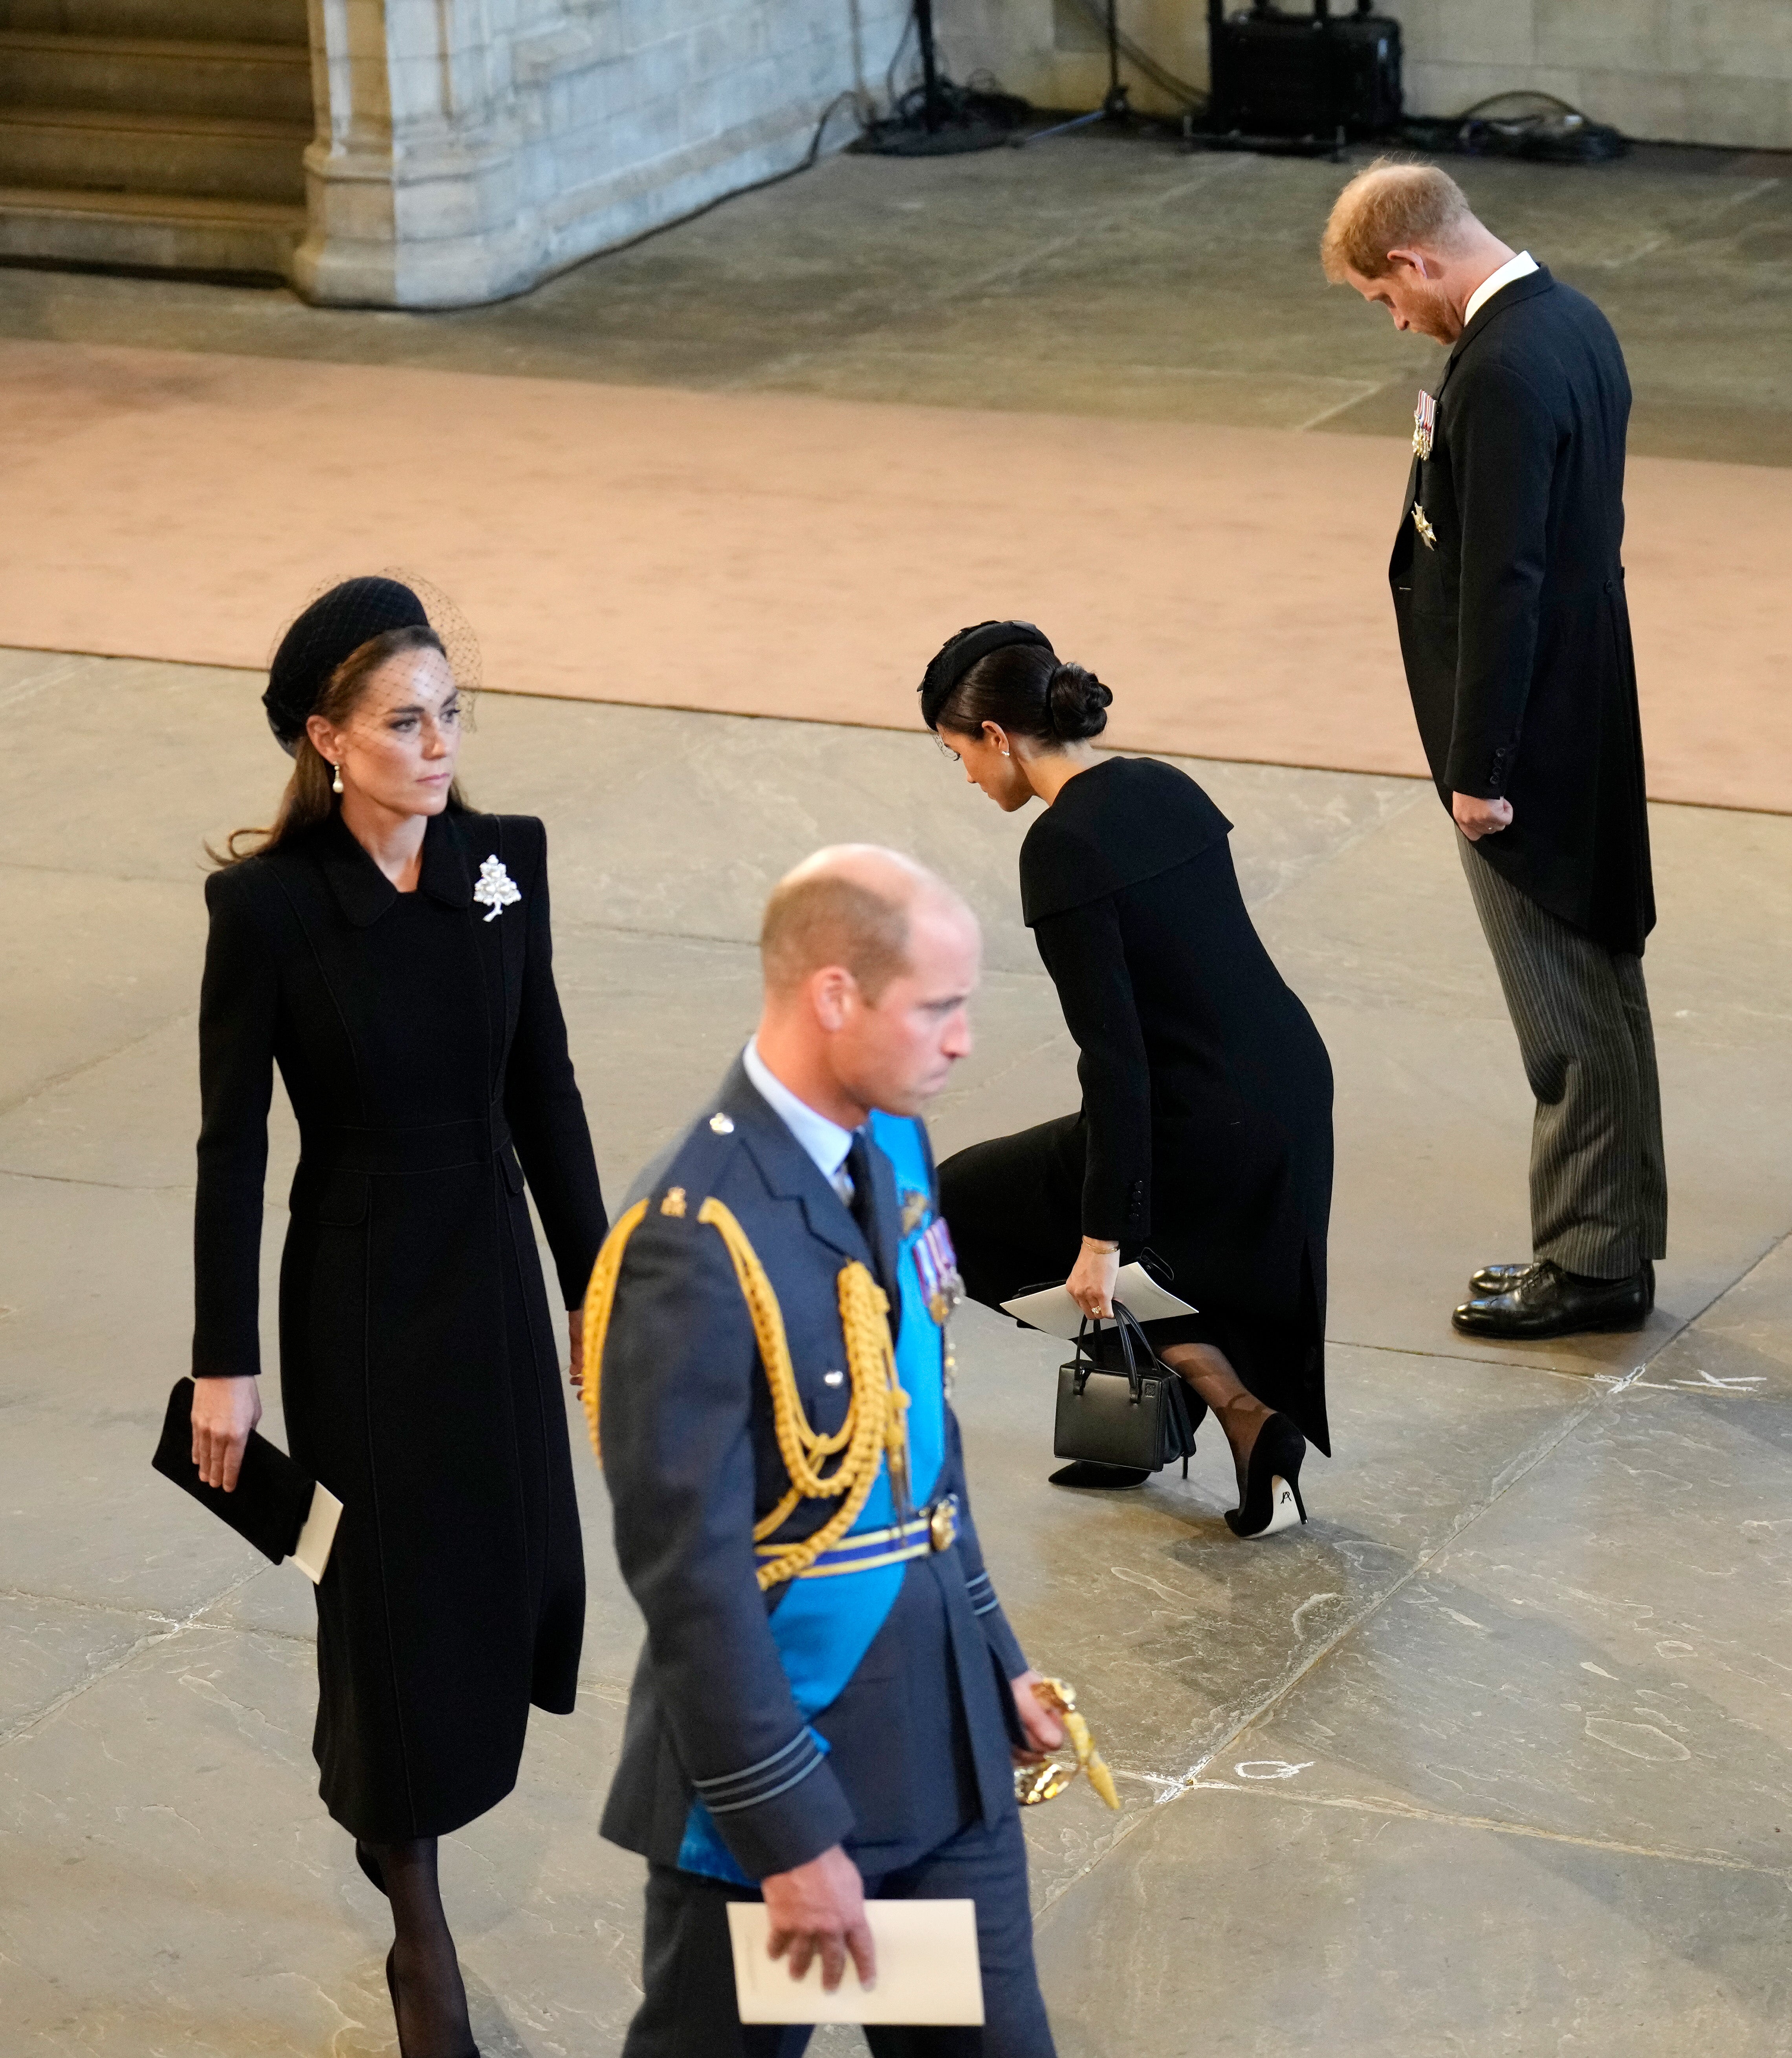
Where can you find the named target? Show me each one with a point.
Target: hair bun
(1078, 703)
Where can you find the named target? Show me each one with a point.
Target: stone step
(266, 82)
(185, 21)
(159, 232)
(204, 157)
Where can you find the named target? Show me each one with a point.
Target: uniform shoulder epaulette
(692, 1170)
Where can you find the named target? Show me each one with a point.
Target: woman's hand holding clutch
(1091, 1283)
(224, 1413)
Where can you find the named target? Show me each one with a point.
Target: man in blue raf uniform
(830, 1702)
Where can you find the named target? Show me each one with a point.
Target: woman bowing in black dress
(389, 950)
(1205, 1135)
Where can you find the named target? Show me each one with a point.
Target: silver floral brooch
(496, 889)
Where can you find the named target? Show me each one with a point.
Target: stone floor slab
(50, 1649)
(1173, 1632)
(1269, 1927)
(190, 1895)
(1598, 1655)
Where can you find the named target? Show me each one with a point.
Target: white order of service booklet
(1053, 1310)
(927, 1972)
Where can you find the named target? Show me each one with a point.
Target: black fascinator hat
(333, 627)
(958, 654)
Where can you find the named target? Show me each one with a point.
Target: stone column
(415, 190)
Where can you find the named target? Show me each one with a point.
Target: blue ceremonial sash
(823, 1628)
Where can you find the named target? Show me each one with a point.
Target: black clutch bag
(1136, 1417)
(271, 1497)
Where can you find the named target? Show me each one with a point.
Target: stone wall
(1682, 71)
(467, 148)
(1688, 71)
(1054, 52)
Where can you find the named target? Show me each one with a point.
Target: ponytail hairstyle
(310, 797)
(1008, 673)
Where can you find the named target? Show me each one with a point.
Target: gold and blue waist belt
(935, 1529)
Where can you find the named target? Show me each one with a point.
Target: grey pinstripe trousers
(1599, 1181)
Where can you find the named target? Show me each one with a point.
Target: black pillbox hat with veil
(333, 627)
(958, 654)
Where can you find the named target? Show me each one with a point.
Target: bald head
(870, 962)
(851, 905)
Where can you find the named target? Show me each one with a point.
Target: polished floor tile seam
(170, 1631)
(35, 1600)
(1445, 1818)
(1699, 220)
(53, 1081)
(84, 872)
(1443, 1355)
(98, 1185)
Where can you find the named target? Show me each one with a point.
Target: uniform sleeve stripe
(767, 1768)
(759, 1800)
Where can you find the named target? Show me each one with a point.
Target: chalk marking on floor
(1312, 1601)
(1272, 1768)
(1156, 1585)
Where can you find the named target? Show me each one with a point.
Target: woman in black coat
(1205, 1137)
(389, 950)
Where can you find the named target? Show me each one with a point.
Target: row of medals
(1424, 428)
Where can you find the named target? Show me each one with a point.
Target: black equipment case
(1274, 72)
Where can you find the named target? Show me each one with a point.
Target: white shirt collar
(1520, 267)
(825, 1142)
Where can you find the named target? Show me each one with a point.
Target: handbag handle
(1126, 1323)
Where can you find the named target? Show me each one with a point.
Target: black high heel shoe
(370, 1864)
(1272, 1498)
(472, 2050)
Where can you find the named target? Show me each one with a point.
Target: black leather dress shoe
(1548, 1301)
(1495, 1279)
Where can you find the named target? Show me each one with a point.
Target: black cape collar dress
(1122, 821)
(1206, 1089)
(421, 1042)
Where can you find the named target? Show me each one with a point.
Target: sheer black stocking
(428, 1997)
(1235, 1409)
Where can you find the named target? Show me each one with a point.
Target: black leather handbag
(1137, 1417)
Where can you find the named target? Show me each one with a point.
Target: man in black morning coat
(900, 1783)
(1509, 591)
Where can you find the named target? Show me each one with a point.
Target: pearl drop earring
(335, 784)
